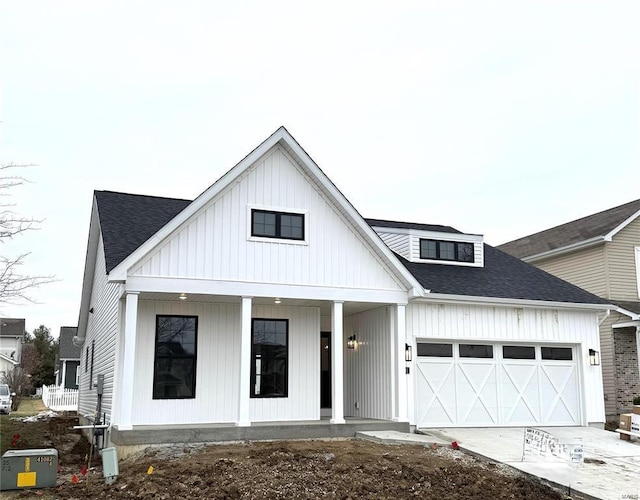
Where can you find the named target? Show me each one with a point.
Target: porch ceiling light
(352, 342)
(408, 356)
(183, 296)
(594, 357)
(277, 301)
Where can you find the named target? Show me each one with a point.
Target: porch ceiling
(325, 305)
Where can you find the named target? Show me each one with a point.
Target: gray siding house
(600, 253)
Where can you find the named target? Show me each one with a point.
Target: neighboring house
(600, 253)
(11, 337)
(68, 359)
(269, 300)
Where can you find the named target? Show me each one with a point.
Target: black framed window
(475, 351)
(269, 358)
(518, 352)
(435, 350)
(457, 251)
(268, 224)
(557, 353)
(174, 369)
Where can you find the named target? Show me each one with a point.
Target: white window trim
(294, 211)
(637, 252)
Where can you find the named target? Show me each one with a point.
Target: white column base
(337, 421)
(243, 424)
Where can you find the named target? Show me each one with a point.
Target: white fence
(59, 399)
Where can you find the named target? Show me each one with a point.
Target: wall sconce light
(183, 296)
(352, 343)
(594, 357)
(408, 356)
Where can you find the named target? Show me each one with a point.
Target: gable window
(458, 251)
(269, 224)
(269, 358)
(174, 369)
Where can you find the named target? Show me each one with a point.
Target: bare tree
(20, 383)
(14, 284)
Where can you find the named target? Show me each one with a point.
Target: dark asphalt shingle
(572, 232)
(67, 349)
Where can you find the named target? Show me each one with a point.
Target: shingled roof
(67, 349)
(11, 327)
(128, 220)
(571, 233)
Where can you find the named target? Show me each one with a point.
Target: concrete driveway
(611, 468)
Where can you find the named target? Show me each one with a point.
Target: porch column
(337, 365)
(400, 372)
(64, 373)
(245, 363)
(127, 391)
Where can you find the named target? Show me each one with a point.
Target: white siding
(492, 323)
(215, 243)
(399, 243)
(303, 402)
(102, 333)
(367, 368)
(218, 362)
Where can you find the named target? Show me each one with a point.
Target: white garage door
(459, 384)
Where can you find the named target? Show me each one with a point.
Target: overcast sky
(498, 118)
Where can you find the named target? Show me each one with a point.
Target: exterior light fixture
(352, 343)
(183, 296)
(408, 356)
(277, 301)
(594, 357)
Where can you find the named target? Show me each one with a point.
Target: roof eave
(543, 304)
(580, 245)
(621, 226)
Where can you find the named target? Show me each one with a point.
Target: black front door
(325, 370)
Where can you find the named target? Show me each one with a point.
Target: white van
(5, 399)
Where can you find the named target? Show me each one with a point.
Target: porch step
(396, 437)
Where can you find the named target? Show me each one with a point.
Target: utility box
(22, 469)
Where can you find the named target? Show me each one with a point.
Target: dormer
(431, 244)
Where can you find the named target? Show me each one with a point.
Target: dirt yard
(341, 469)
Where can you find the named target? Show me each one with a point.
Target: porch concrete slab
(262, 431)
(611, 469)
(396, 437)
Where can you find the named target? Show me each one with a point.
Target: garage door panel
(559, 389)
(437, 387)
(519, 394)
(476, 393)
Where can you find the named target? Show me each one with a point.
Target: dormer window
(446, 250)
(270, 224)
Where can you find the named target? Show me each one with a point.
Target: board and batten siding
(584, 268)
(101, 332)
(218, 365)
(215, 243)
(367, 368)
(621, 263)
(518, 325)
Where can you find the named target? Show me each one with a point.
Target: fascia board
(626, 312)
(119, 273)
(568, 248)
(349, 210)
(627, 324)
(621, 226)
(7, 358)
(89, 267)
(541, 304)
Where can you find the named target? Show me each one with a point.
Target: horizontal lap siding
(101, 329)
(214, 243)
(621, 263)
(367, 374)
(399, 243)
(303, 401)
(217, 365)
(585, 268)
(500, 324)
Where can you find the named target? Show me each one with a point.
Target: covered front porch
(368, 384)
